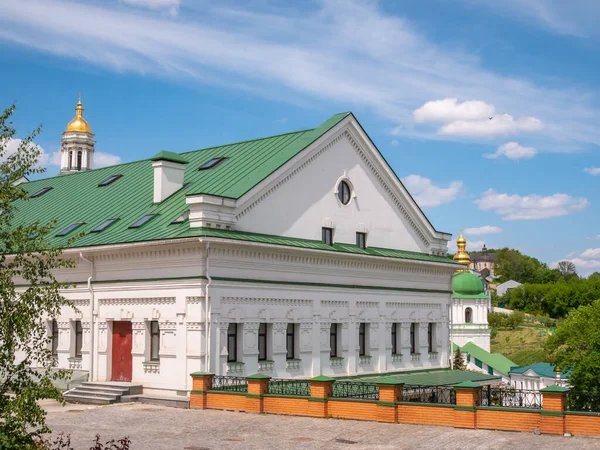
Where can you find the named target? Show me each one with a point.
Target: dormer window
(344, 192)
(361, 240)
(212, 163)
(327, 235)
(40, 192)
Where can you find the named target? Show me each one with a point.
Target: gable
(302, 197)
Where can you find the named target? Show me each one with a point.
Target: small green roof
(497, 361)
(434, 377)
(543, 369)
(164, 155)
(467, 285)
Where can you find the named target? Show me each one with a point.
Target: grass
(523, 346)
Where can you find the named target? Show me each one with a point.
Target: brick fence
(254, 396)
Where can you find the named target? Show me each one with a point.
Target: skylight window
(183, 217)
(104, 225)
(110, 180)
(212, 163)
(142, 221)
(70, 228)
(40, 192)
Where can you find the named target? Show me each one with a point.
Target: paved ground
(152, 427)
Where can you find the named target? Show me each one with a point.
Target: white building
(294, 255)
(537, 376)
(504, 287)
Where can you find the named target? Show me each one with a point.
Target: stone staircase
(102, 393)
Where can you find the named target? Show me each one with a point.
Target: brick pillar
(201, 383)
(467, 399)
(390, 392)
(258, 385)
(321, 388)
(554, 404)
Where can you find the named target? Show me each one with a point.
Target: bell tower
(77, 144)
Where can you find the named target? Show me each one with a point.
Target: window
(154, 340)
(362, 339)
(104, 225)
(262, 342)
(40, 192)
(490, 370)
(54, 338)
(142, 221)
(430, 337)
(70, 228)
(361, 240)
(333, 340)
(110, 180)
(232, 342)
(468, 315)
(478, 363)
(212, 163)
(70, 160)
(327, 235)
(344, 192)
(183, 217)
(413, 338)
(78, 338)
(290, 341)
(79, 155)
(394, 339)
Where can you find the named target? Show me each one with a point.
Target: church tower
(77, 144)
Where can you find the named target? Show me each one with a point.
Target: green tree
(594, 276)
(459, 361)
(576, 347)
(515, 320)
(567, 270)
(27, 368)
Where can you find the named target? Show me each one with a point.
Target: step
(172, 402)
(112, 390)
(73, 398)
(88, 393)
(130, 388)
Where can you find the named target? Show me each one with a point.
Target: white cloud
(597, 237)
(450, 110)
(105, 159)
(426, 194)
(171, 5)
(592, 170)
(486, 229)
(591, 253)
(587, 264)
(349, 53)
(500, 125)
(516, 207)
(512, 150)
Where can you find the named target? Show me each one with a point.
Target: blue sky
(423, 78)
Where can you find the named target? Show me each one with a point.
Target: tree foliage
(576, 347)
(459, 361)
(553, 299)
(29, 296)
(511, 264)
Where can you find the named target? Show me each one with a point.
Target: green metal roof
(543, 369)
(433, 377)
(164, 155)
(77, 197)
(497, 361)
(467, 285)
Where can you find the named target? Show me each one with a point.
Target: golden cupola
(462, 257)
(79, 124)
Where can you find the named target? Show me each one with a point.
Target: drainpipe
(91, 289)
(450, 334)
(206, 312)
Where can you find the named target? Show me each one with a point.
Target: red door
(121, 351)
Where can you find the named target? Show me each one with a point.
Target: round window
(344, 192)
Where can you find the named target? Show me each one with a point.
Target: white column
(249, 347)
(405, 341)
(306, 347)
(219, 351)
(278, 348)
(352, 340)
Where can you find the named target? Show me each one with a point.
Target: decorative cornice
(335, 304)
(367, 304)
(394, 305)
(265, 301)
(138, 301)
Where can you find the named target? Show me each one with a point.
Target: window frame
(430, 337)
(69, 229)
(181, 218)
(213, 162)
(333, 337)
(263, 342)
(78, 338)
(41, 192)
(110, 180)
(79, 159)
(327, 235)
(344, 192)
(232, 351)
(290, 341)
(469, 315)
(108, 223)
(394, 339)
(141, 222)
(154, 346)
(362, 339)
(360, 235)
(54, 338)
(413, 338)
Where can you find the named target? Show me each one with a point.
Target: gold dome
(79, 124)
(462, 257)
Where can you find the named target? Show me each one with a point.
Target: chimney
(168, 174)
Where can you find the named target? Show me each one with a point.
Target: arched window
(70, 160)
(344, 192)
(468, 315)
(79, 160)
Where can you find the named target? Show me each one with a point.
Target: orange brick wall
(282, 405)
(554, 402)
(352, 410)
(226, 401)
(426, 415)
(507, 420)
(582, 425)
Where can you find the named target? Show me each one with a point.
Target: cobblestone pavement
(152, 427)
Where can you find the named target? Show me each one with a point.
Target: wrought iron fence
(282, 386)
(510, 398)
(231, 384)
(583, 401)
(429, 394)
(355, 389)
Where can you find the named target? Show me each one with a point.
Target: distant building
(536, 376)
(483, 260)
(480, 360)
(510, 284)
